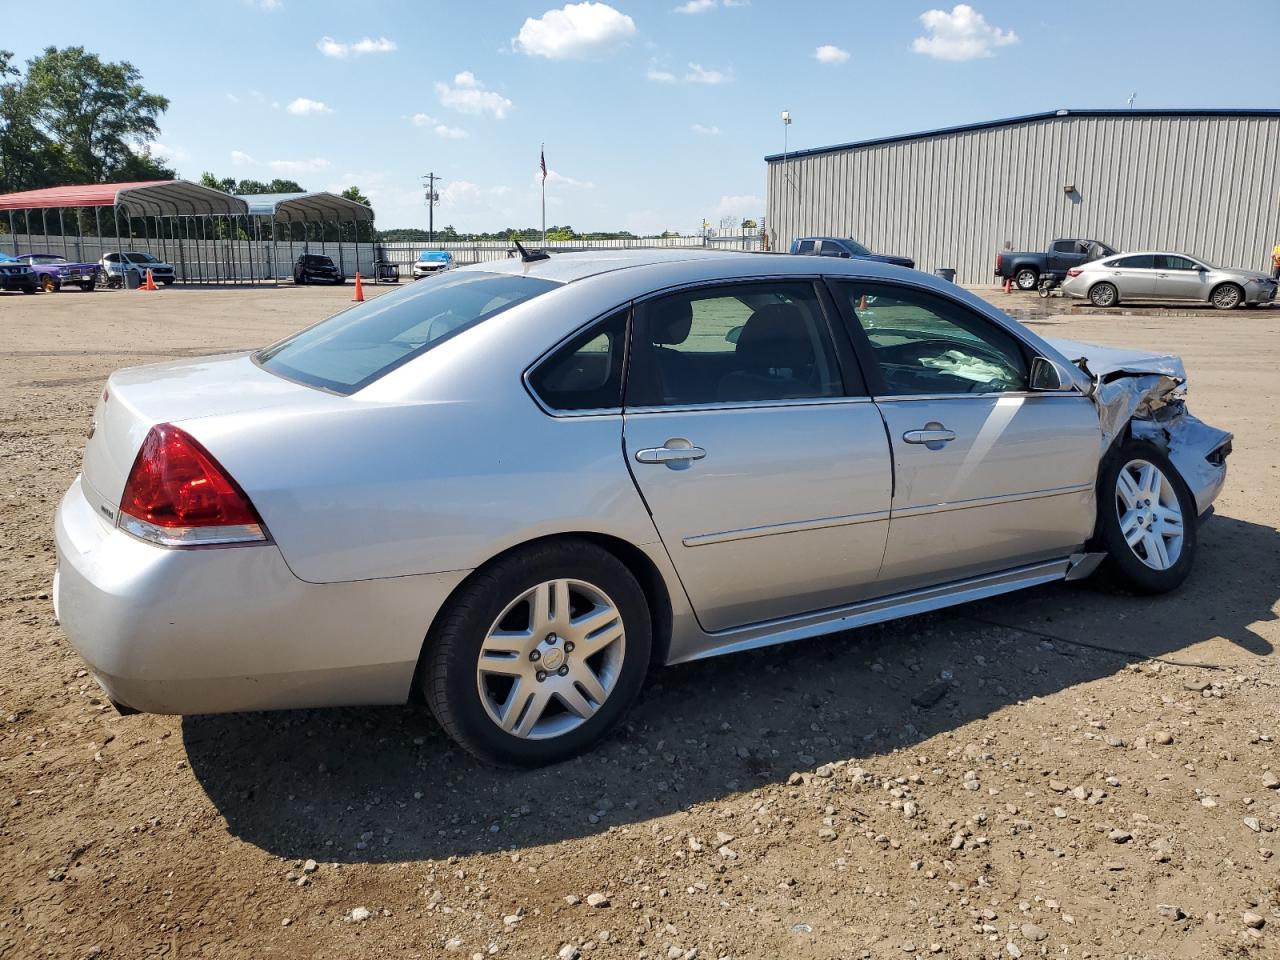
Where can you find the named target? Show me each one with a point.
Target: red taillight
(177, 494)
(999, 261)
(1074, 272)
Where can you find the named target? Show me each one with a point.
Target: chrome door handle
(677, 453)
(933, 433)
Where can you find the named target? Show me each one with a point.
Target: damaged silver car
(509, 490)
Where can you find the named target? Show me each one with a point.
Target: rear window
(348, 352)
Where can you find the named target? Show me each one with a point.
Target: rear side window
(586, 373)
(1141, 261)
(806, 246)
(348, 352)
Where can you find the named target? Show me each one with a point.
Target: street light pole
(429, 181)
(786, 169)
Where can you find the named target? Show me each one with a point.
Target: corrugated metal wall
(1204, 185)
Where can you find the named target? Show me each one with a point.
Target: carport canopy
(319, 207)
(146, 198)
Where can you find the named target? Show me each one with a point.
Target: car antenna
(528, 257)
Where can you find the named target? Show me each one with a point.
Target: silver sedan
(508, 490)
(1167, 276)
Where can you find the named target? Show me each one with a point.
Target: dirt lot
(1092, 780)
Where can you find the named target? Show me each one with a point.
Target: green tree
(353, 193)
(94, 119)
(225, 184)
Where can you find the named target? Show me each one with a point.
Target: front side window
(831, 248)
(586, 373)
(925, 344)
(732, 343)
(351, 350)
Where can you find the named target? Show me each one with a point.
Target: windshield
(433, 255)
(46, 258)
(348, 352)
(858, 249)
(140, 258)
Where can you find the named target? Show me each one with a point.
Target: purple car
(52, 271)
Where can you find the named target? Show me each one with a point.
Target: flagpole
(544, 194)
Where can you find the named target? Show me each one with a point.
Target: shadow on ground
(376, 785)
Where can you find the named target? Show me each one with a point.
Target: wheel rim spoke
(577, 704)
(535, 706)
(589, 683)
(600, 640)
(1150, 514)
(1131, 527)
(1127, 489)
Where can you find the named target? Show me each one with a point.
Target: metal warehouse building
(1203, 182)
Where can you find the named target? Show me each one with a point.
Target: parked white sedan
(510, 489)
(1167, 276)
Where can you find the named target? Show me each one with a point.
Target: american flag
(542, 160)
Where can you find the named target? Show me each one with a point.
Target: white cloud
(962, 34)
(468, 95)
(696, 6)
(304, 107)
(265, 5)
(340, 50)
(660, 76)
(706, 131)
(739, 206)
(559, 180)
(438, 127)
(239, 158)
(576, 30)
(828, 53)
(698, 74)
(298, 166)
(233, 98)
(162, 151)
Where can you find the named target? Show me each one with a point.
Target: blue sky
(654, 114)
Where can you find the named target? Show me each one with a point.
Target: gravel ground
(1066, 772)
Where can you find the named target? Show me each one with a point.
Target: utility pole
(429, 181)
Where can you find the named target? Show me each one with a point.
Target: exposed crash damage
(1143, 395)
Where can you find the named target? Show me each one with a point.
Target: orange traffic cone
(151, 281)
(1008, 285)
(359, 297)
(862, 302)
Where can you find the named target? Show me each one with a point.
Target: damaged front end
(1144, 396)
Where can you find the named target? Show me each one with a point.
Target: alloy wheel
(551, 659)
(1103, 295)
(1226, 297)
(1151, 520)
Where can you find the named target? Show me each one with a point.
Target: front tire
(1026, 278)
(1104, 295)
(50, 285)
(540, 655)
(1226, 296)
(1146, 519)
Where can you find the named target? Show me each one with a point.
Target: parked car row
(52, 272)
(1096, 271)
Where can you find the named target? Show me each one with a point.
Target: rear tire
(1226, 296)
(1146, 519)
(539, 655)
(1104, 295)
(1026, 278)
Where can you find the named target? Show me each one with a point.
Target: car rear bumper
(213, 630)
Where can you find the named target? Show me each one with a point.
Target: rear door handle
(677, 453)
(932, 435)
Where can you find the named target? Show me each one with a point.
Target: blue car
(16, 275)
(846, 249)
(432, 261)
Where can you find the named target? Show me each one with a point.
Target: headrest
(775, 336)
(670, 321)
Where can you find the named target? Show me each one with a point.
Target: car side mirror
(1046, 377)
(733, 335)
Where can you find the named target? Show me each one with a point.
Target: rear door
(1180, 278)
(988, 474)
(766, 471)
(1134, 276)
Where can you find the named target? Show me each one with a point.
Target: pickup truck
(52, 271)
(1026, 269)
(846, 248)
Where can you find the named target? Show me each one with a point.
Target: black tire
(1123, 564)
(1104, 294)
(1026, 278)
(168, 281)
(31, 289)
(447, 676)
(1226, 296)
(88, 286)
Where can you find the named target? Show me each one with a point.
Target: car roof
(570, 267)
(1154, 253)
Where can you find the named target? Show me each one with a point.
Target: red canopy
(158, 198)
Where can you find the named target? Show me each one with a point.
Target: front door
(766, 471)
(988, 475)
(1180, 278)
